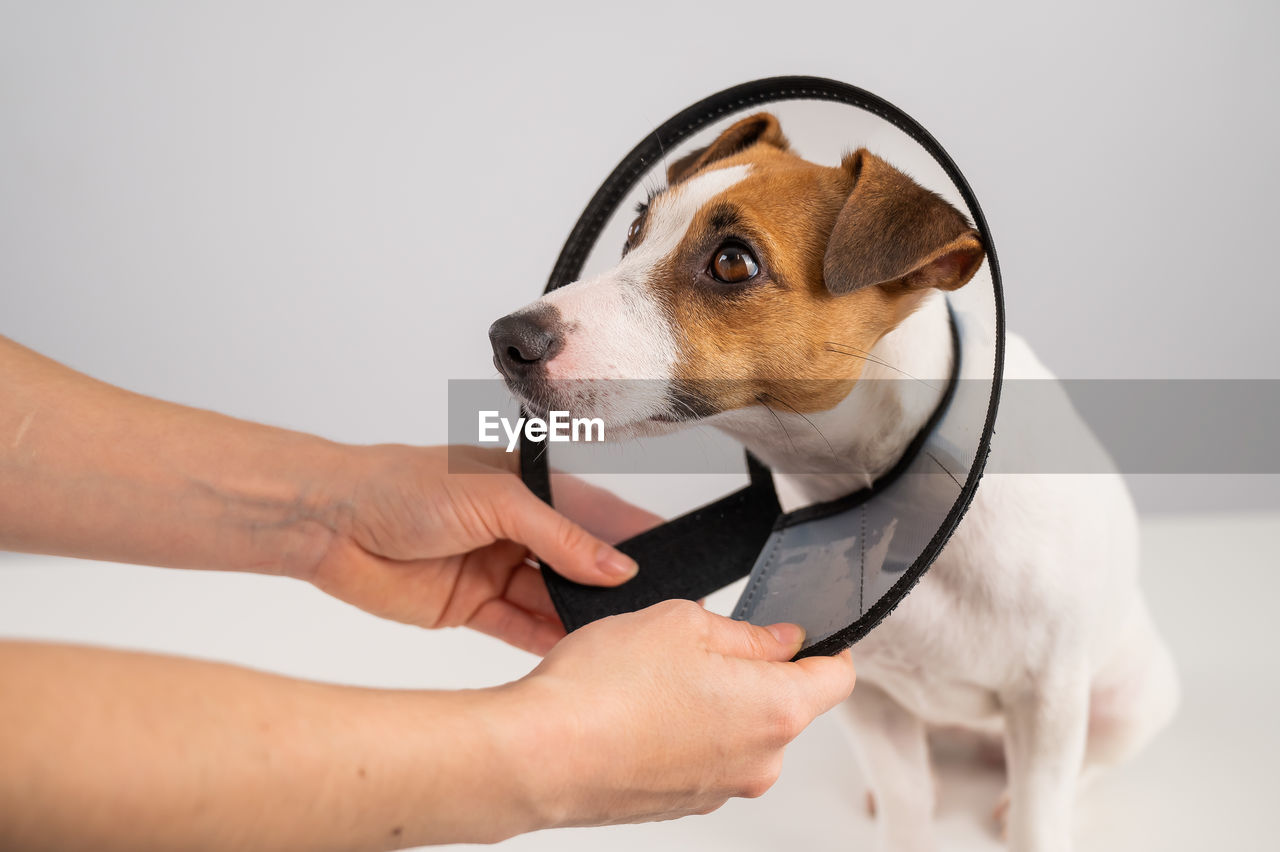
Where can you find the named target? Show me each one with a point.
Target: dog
(745, 291)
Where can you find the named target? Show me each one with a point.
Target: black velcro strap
(690, 557)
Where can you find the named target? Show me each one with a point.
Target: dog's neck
(824, 455)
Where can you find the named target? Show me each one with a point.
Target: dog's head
(752, 276)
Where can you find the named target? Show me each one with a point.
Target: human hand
(111, 475)
(665, 712)
(420, 543)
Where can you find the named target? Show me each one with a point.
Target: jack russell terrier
(757, 277)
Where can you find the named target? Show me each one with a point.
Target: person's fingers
(528, 590)
(520, 628)
(826, 681)
(575, 553)
(506, 564)
(600, 511)
(774, 643)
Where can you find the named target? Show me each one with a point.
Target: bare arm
(650, 715)
(90, 470)
(129, 751)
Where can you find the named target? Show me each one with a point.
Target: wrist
(563, 762)
(313, 489)
(537, 740)
(277, 498)
(465, 765)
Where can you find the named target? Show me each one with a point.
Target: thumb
(775, 643)
(567, 547)
(827, 680)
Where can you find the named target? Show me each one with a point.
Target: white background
(308, 214)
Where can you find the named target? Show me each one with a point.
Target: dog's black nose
(524, 340)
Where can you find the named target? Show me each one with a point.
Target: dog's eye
(733, 265)
(633, 233)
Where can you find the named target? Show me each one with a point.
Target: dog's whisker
(687, 407)
(870, 358)
(662, 158)
(866, 356)
(812, 425)
(944, 468)
(874, 360)
(781, 425)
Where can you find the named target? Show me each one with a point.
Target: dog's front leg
(1045, 727)
(894, 752)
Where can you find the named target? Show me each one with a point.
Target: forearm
(129, 751)
(87, 469)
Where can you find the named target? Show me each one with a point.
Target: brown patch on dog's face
(842, 256)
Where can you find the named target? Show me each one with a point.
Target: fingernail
(616, 564)
(786, 633)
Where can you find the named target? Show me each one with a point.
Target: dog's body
(1030, 626)
(763, 294)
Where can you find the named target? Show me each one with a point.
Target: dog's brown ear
(762, 128)
(891, 230)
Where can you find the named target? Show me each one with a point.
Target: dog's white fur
(1030, 625)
